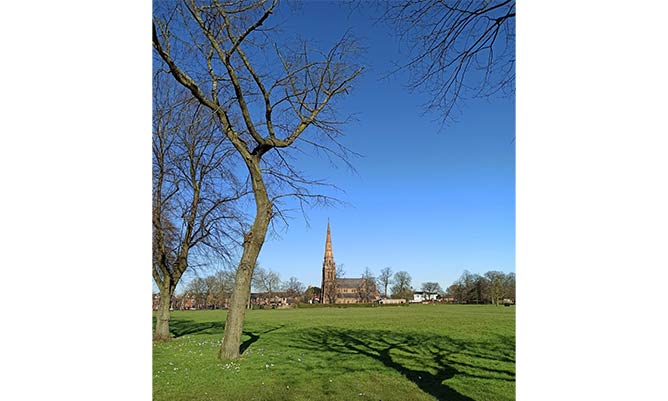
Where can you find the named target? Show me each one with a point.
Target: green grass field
(416, 352)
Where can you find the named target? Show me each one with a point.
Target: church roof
(349, 282)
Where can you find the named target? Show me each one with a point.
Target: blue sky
(427, 199)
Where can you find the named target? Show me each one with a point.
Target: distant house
(424, 296)
(278, 299)
(174, 302)
(390, 301)
(186, 302)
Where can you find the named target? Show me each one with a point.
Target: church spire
(328, 289)
(329, 254)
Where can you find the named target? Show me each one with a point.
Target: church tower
(328, 271)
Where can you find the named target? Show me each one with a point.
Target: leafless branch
(460, 49)
(219, 53)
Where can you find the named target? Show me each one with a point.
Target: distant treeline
(214, 291)
(493, 287)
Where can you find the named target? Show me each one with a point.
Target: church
(343, 290)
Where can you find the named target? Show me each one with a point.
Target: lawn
(416, 352)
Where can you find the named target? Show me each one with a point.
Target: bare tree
(266, 98)
(509, 286)
(456, 291)
(495, 280)
(431, 287)
(481, 289)
(474, 287)
(385, 279)
(367, 288)
(402, 285)
(488, 288)
(460, 49)
(266, 280)
(466, 283)
(198, 289)
(294, 287)
(224, 286)
(211, 286)
(340, 270)
(194, 195)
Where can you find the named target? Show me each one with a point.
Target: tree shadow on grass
(182, 327)
(254, 337)
(429, 361)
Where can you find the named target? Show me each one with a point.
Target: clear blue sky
(427, 199)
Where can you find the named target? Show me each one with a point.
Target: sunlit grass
(417, 352)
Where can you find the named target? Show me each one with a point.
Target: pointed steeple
(328, 288)
(329, 254)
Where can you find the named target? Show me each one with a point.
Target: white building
(390, 301)
(422, 296)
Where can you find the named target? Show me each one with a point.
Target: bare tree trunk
(252, 245)
(164, 314)
(235, 316)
